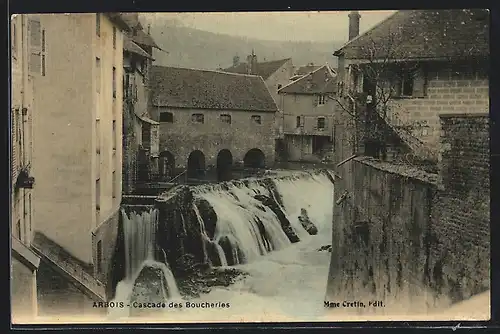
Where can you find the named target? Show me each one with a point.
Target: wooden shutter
(315, 100)
(14, 143)
(420, 82)
(35, 40)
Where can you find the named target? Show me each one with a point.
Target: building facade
(441, 68)
(25, 37)
(211, 120)
(78, 131)
(276, 74)
(308, 112)
(140, 132)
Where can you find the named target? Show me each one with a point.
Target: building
(432, 226)
(211, 119)
(24, 261)
(428, 62)
(276, 74)
(140, 132)
(308, 112)
(77, 136)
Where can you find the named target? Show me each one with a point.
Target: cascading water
(139, 231)
(255, 225)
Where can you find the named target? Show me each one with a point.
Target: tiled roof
(138, 35)
(264, 69)
(408, 34)
(204, 89)
(130, 46)
(323, 80)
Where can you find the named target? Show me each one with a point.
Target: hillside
(188, 47)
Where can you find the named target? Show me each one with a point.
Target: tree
(386, 75)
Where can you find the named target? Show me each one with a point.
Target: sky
(282, 26)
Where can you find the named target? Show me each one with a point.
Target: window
(113, 190)
(225, 118)
(35, 33)
(114, 81)
(14, 40)
(98, 24)
(166, 117)
(198, 118)
(98, 74)
(99, 256)
(321, 123)
(18, 229)
(98, 136)
(256, 119)
(298, 122)
(114, 37)
(321, 99)
(98, 195)
(43, 52)
(407, 84)
(114, 136)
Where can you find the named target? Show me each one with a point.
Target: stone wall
(107, 235)
(181, 137)
(461, 214)
(418, 239)
(380, 233)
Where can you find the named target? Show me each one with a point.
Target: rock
(306, 222)
(203, 281)
(285, 223)
(149, 287)
(208, 215)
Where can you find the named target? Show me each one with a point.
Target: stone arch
(196, 165)
(224, 165)
(166, 166)
(254, 158)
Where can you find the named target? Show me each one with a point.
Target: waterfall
(246, 229)
(140, 243)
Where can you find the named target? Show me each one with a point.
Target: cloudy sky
(296, 26)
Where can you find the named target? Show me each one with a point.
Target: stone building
(276, 74)
(140, 132)
(77, 136)
(416, 236)
(211, 119)
(427, 62)
(308, 112)
(26, 35)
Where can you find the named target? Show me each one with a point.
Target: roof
(417, 34)
(302, 70)
(24, 254)
(119, 20)
(264, 69)
(145, 118)
(138, 35)
(130, 46)
(322, 80)
(204, 89)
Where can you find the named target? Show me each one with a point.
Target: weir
(217, 225)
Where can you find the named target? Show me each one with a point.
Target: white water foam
(289, 283)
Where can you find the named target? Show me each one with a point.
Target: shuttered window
(35, 58)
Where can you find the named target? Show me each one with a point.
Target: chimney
(252, 63)
(249, 64)
(354, 24)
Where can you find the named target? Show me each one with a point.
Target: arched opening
(254, 159)
(166, 166)
(224, 165)
(196, 165)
